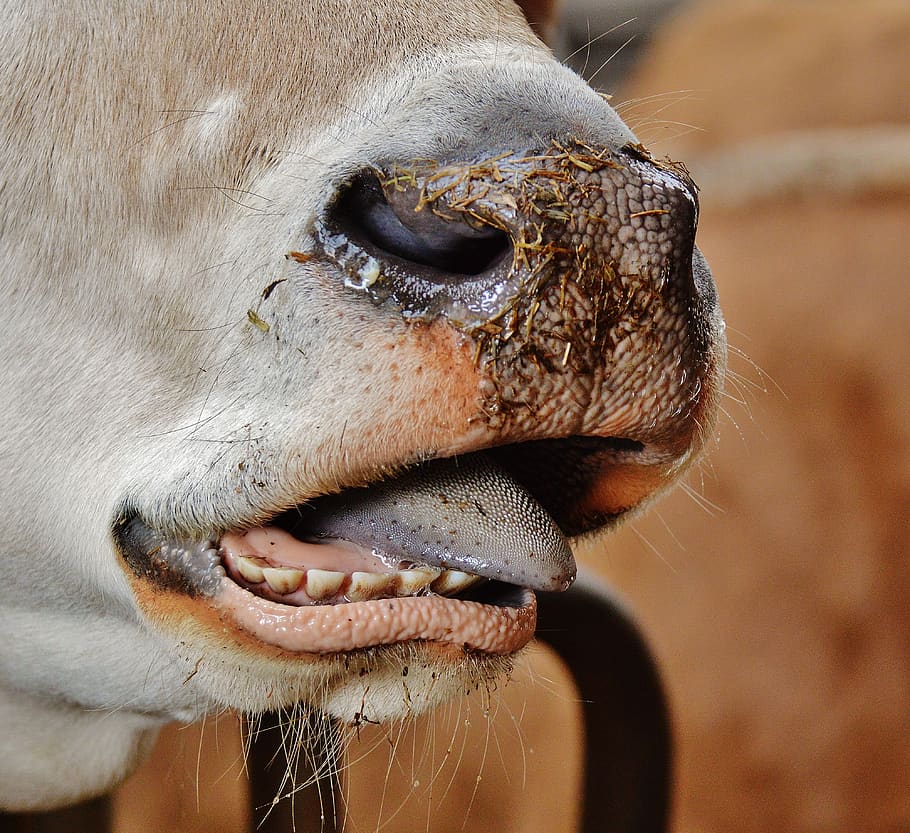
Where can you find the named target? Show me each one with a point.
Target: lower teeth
(300, 587)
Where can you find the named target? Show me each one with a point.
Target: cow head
(326, 325)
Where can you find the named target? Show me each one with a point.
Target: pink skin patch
(301, 626)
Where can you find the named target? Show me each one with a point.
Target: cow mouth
(450, 551)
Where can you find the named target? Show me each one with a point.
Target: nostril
(398, 226)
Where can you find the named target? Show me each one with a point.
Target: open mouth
(450, 551)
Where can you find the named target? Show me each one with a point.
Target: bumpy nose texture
(571, 267)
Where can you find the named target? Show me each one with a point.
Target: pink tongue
(282, 549)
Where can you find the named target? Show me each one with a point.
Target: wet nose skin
(571, 268)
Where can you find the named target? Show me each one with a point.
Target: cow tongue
(464, 514)
(461, 514)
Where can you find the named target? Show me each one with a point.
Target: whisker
(651, 546)
(611, 57)
(591, 41)
(710, 508)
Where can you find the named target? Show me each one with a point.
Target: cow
(327, 327)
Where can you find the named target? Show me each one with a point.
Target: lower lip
(328, 629)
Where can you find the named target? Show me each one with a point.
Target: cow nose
(465, 240)
(588, 311)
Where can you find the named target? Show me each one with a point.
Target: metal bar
(89, 817)
(628, 743)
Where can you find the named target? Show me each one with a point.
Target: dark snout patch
(571, 268)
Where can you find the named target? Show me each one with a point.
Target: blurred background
(774, 587)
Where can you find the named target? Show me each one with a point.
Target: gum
(282, 549)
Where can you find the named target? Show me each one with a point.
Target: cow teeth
(323, 584)
(453, 581)
(251, 568)
(414, 580)
(282, 580)
(366, 586)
